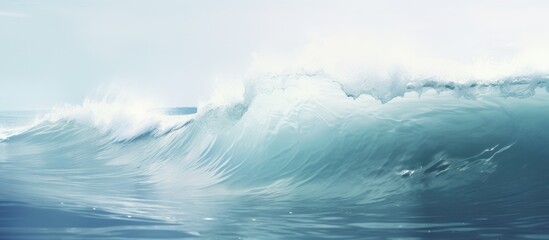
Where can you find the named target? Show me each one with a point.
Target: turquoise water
(322, 161)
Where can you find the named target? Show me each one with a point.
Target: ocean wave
(287, 141)
(290, 133)
(124, 120)
(117, 120)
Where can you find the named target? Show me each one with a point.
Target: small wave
(120, 121)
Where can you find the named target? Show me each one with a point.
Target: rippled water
(286, 163)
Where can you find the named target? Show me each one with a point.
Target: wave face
(300, 156)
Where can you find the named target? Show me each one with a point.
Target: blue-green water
(284, 163)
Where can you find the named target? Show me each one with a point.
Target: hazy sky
(54, 52)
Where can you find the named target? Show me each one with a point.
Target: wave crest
(118, 120)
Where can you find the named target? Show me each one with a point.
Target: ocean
(305, 157)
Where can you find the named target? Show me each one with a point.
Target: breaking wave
(304, 137)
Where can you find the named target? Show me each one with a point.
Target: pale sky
(55, 52)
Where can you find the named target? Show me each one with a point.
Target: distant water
(308, 159)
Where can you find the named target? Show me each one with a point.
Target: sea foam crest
(230, 104)
(6, 133)
(397, 83)
(122, 120)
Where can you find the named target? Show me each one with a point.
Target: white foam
(121, 119)
(6, 133)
